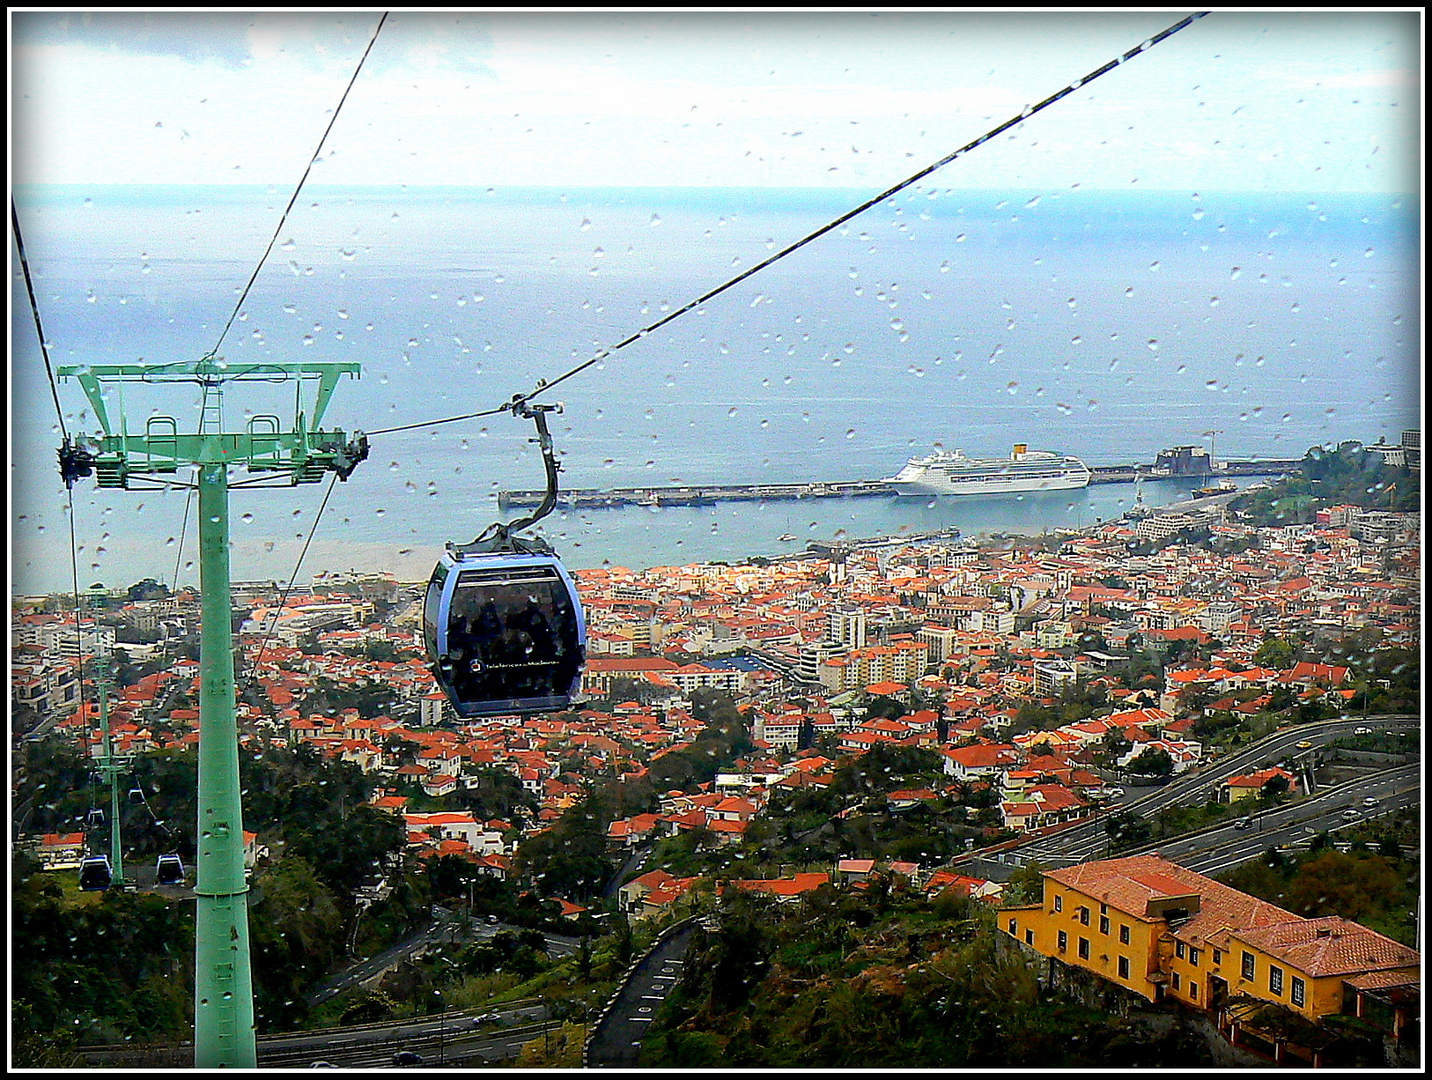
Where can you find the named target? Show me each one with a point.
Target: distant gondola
(502, 621)
(95, 873)
(169, 870)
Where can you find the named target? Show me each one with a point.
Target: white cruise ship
(951, 473)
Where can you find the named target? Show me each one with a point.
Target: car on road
(1371, 800)
(1304, 745)
(1362, 731)
(407, 1057)
(485, 1018)
(1351, 814)
(1243, 823)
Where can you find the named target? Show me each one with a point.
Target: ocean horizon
(1106, 325)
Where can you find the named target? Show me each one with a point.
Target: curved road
(616, 1040)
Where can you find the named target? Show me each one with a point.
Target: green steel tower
(110, 765)
(299, 453)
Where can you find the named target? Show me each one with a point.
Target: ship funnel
(1019, 449)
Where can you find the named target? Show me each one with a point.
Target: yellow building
(1160, 931)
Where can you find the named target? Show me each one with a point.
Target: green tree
(296, 930)
(1333, 883)
(1274, 652)
(1154, 761)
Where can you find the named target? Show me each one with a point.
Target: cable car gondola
(95, 819)
(95, 873)
(502, 621)
(169, 870)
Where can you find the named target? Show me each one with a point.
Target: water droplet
(1233, 275)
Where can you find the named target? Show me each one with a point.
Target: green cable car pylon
(110, 764)
(300, 452)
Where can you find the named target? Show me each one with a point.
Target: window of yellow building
(1103, 924)
(1123, 967)
(1084, 916)
(1176, 980)
(1275, 980)
(1193, 956)
(1083, 948)
(1248, 965)
(1123, 934)
(1192, 990)
(1179, 949)
(1058, 902)
(1299, 991)
(1063, 941)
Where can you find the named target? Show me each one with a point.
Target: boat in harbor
(950, 472)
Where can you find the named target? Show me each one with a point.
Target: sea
(1109, 325)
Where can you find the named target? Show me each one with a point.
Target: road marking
(641, 1019)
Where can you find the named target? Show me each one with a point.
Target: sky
(1282, 100)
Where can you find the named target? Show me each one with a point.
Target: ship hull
(1022, 472)
(944, 485)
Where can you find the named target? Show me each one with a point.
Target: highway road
(1088, 839)
(449, 1038)
(1227, 845)
(446, 927)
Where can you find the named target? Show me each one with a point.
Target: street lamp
(442, 1026)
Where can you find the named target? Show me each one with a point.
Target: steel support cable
(294, 197)
(545, 385)
(35, 313)
(273, 624)
(79, 630)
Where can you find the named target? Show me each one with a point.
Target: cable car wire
(292, 578)
(294, 197)
(545, 385)
(35, 313)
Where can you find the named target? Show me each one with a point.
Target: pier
(712, 494)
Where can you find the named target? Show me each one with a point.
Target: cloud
(410, 43)
(221, 37)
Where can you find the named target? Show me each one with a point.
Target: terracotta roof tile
(1130, 883)
(1331, 946)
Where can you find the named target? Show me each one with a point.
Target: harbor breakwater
(712, 494)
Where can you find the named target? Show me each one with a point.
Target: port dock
(712, 494)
